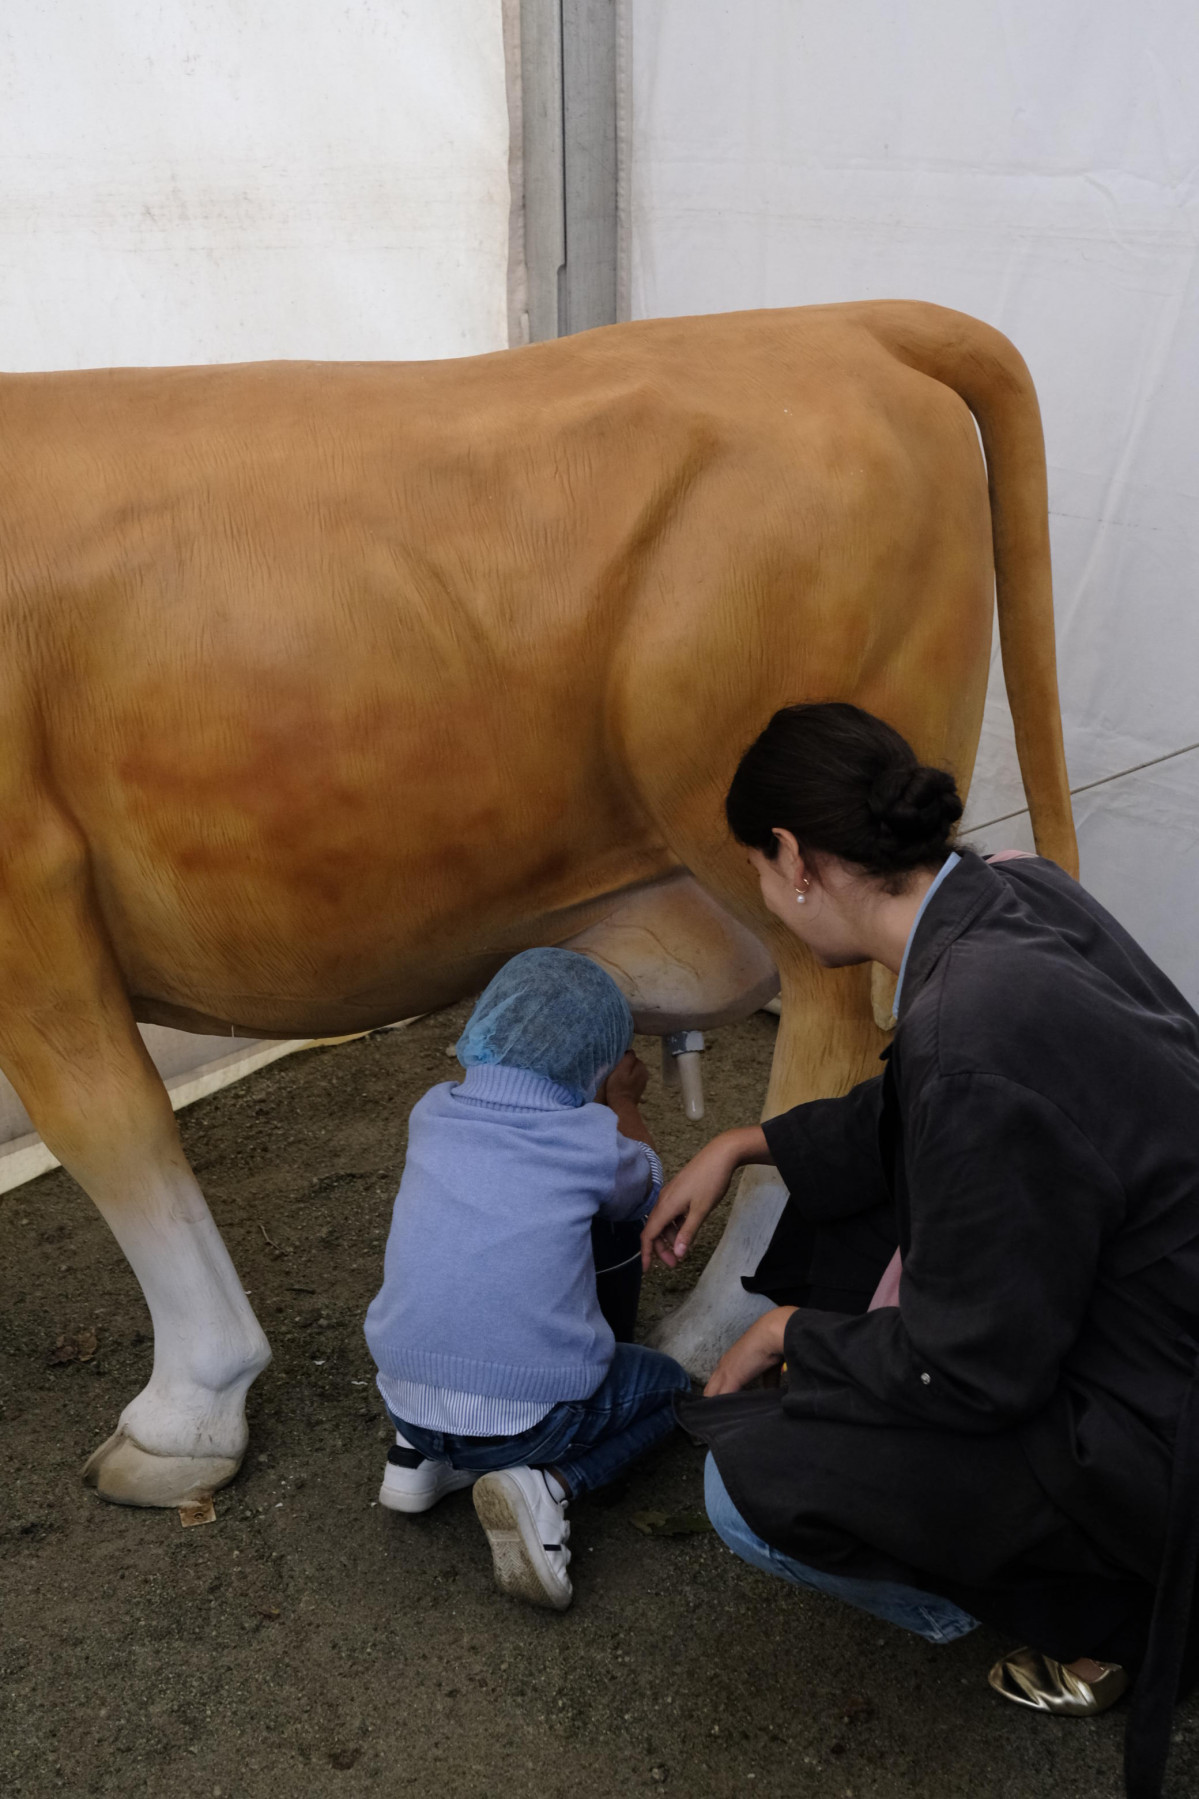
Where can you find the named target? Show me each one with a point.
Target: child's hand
(627, 1082)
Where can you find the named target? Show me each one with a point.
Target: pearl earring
(801, 893)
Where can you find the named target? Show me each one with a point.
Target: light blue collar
(492, 1084)
(947, 868)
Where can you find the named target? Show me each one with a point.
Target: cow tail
(990, 375)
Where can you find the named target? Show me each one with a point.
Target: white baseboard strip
(24, 1158)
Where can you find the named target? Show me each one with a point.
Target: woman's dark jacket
(1033, 1146)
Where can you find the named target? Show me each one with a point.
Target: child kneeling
(496, 1364)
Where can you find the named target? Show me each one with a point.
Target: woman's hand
(685, 1202)
(759, 1349)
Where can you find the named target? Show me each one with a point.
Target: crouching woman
(986, 1280)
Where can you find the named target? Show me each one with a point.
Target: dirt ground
(310, 1643)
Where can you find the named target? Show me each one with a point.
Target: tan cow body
(324, 688)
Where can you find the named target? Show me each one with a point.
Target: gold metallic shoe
(1028, 1678)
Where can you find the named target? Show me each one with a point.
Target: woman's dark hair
(843, 782)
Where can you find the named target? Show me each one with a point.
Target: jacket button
(927, 1379)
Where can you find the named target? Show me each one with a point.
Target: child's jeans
(588, 1441)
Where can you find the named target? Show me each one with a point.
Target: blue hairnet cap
(552, 1012)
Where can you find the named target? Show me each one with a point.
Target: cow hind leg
(827, 1042)
(69, 1044)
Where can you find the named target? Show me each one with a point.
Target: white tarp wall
(1035, 165)
(210, 181)
(205, 181)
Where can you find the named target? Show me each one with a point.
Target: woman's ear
(788, 860)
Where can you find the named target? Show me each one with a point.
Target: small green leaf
(671, 1524)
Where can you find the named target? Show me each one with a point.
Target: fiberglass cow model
(327, 687)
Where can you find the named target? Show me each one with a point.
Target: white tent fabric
(204, 181)
(1037, 166)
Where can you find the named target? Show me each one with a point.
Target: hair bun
(845, 784)
(915, 809)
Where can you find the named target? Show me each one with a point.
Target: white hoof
(124, 1473)
(178, 1441)
(712, 1317)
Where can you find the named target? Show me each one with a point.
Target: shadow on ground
(309, 1643)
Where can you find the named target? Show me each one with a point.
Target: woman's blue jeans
(935, 1619)
(589, 1441)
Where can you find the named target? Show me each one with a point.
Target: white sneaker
(527, 1529)
(412, 1483)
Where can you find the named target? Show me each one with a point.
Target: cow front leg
(69, 1044)
(107, 1117)
(184, 1435)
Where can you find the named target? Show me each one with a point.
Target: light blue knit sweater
(487, 1315)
